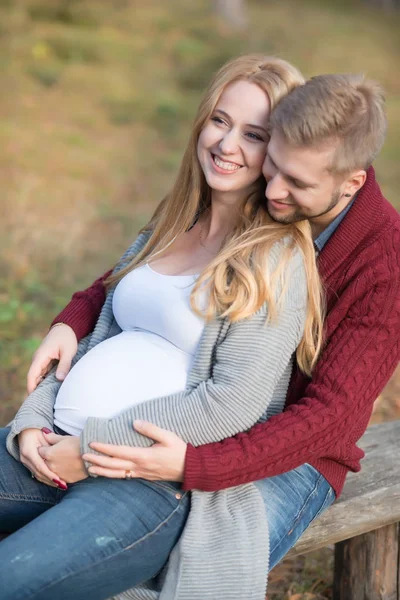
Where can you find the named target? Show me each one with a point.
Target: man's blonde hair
(348, 110)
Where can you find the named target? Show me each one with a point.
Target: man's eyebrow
(291, 177)
(264, 129)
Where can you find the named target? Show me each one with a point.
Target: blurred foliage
(98, 103)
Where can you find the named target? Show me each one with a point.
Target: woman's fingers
(108, 463)
(38, 467)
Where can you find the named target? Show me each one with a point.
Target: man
(324, 137)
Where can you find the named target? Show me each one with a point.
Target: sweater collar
(356, 229)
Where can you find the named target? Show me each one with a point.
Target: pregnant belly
(122, 371)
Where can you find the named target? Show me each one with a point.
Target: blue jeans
(103, 536)
(292, 501)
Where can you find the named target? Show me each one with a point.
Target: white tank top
(151, 357)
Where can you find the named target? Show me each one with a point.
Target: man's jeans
(103, 536)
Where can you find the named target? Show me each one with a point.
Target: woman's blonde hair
(239, 279)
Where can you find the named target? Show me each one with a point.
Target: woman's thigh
(21, 497)
(103, 537)
(292, 501)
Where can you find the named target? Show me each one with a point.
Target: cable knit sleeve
(247, 365)
(82, 312)
(362, 353)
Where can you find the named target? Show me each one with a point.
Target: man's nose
(276, 187)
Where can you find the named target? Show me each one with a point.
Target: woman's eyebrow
(225, 114)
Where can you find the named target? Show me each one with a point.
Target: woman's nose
(229, 143)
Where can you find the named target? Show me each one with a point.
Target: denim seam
(20, 497)
(164, 486)
(324, 505)
(305, 504)
(142, 539)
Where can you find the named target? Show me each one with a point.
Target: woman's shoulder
(136, 246)
(289, 252)
(288, 260)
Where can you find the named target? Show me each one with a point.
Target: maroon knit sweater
(324, 417)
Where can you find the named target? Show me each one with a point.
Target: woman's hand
(164, 461)
(29, 442)
(59, 344)
(62, 454)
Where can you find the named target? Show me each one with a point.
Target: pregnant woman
(197, 334)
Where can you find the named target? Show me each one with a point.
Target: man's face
(299, 185)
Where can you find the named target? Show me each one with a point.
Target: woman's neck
(219, 219)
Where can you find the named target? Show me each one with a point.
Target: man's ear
(354, 182)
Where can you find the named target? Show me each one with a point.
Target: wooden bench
(364, 523)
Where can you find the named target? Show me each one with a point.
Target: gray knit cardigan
(240, 376)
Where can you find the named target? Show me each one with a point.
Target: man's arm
(359, 359)
(82, 312)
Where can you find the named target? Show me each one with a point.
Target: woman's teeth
(225, 165)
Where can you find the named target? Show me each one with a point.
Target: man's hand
(30, 441)
(62, 454)
(164, 461)
(59, 344)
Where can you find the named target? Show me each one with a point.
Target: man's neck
(320, 223)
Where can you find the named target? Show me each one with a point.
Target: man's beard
(299, 215)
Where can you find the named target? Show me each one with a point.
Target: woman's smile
(234, 140)
(223, 166)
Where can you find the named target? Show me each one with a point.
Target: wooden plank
(366, 566)
(370, 499)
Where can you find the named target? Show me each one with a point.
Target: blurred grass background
(96, 105)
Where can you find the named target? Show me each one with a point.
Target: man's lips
(280, 205)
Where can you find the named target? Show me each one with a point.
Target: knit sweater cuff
(95, 430)
(196, 476)
(79, 315)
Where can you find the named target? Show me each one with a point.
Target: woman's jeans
(103, 536)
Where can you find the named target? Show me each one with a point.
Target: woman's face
(233, 143)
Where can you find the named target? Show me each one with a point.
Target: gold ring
(128, 474)
(32, 475)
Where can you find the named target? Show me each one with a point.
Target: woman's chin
(228, 187)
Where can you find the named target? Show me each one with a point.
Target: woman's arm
(36, 412)
(248, 364)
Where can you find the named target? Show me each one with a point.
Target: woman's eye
(217, 120)
(254, 136)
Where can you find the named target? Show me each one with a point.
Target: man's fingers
(108, 462)
(152, 431)
(110, 473)
(36, 373)
(39, 368)
(119, 451)
(64, 367)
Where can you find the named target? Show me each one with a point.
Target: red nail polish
(60, 485)
(46, 430)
